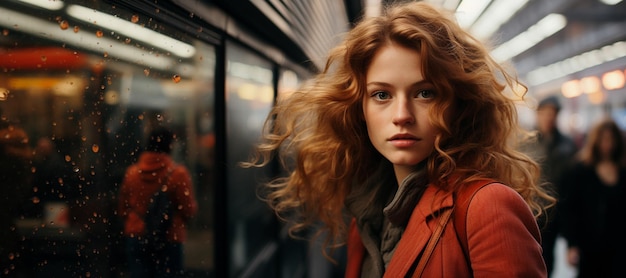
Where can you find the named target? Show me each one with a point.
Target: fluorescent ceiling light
(546, 27)
(46, 4)
(497, 14)
(132, 30)
(90, 41)
(469, 10)
(611, 2)
(577, 63)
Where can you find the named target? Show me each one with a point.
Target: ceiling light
(613, 80)
(52, 5)
(132, 30)
(611, 2)
(85, 40)
(577, 63)
(571, 89)
(546, 27)
(469, 10)
(497, 14)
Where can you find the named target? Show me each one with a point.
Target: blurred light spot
(597, 97)
(571, 89)
(613, 80)
(590, 84)
(4, 94)
(111, 97)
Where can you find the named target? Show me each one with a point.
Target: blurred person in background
(154, 171)
(554, 151)
(595, 208)
(15, 180)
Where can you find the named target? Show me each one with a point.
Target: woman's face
(605, 143)
(396, 108)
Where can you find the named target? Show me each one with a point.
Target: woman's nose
(403, 114)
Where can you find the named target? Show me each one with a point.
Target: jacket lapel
(418, 232)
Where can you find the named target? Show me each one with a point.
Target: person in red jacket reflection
(154, 171)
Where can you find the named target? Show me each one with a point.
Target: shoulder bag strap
(432, 242)
(462, 202)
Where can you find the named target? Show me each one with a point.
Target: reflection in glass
(84, 94)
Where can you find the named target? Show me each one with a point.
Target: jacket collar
(418, 232)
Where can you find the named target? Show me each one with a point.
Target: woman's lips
(403, 140)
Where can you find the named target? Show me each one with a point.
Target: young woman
(595, 204)
(408, 115)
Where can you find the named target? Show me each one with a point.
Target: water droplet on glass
(44, 58)
(134, 18)
(68, 158)
(36, 200)
(76, 29)
(76, 169)
(95, 148)
(5, 32)
(127, 40)
(146, 72)
(106, 54)
(99, 34)
(4, 94)
(176, 78)
(64, 25)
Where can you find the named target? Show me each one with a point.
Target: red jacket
(503, 238)
(141, 182)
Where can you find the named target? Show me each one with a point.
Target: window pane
(86, 81)
(250, 96)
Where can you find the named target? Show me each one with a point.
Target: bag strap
(432, 242)
(462, 203)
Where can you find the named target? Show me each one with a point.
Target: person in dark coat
(554, 152)
(595, 209)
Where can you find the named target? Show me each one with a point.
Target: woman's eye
(425, 94)
(380, 95)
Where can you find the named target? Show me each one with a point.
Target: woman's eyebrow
(385, 84)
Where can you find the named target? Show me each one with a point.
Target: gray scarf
(382, 210)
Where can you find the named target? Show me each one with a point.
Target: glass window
(82, 85)
(249, 98)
